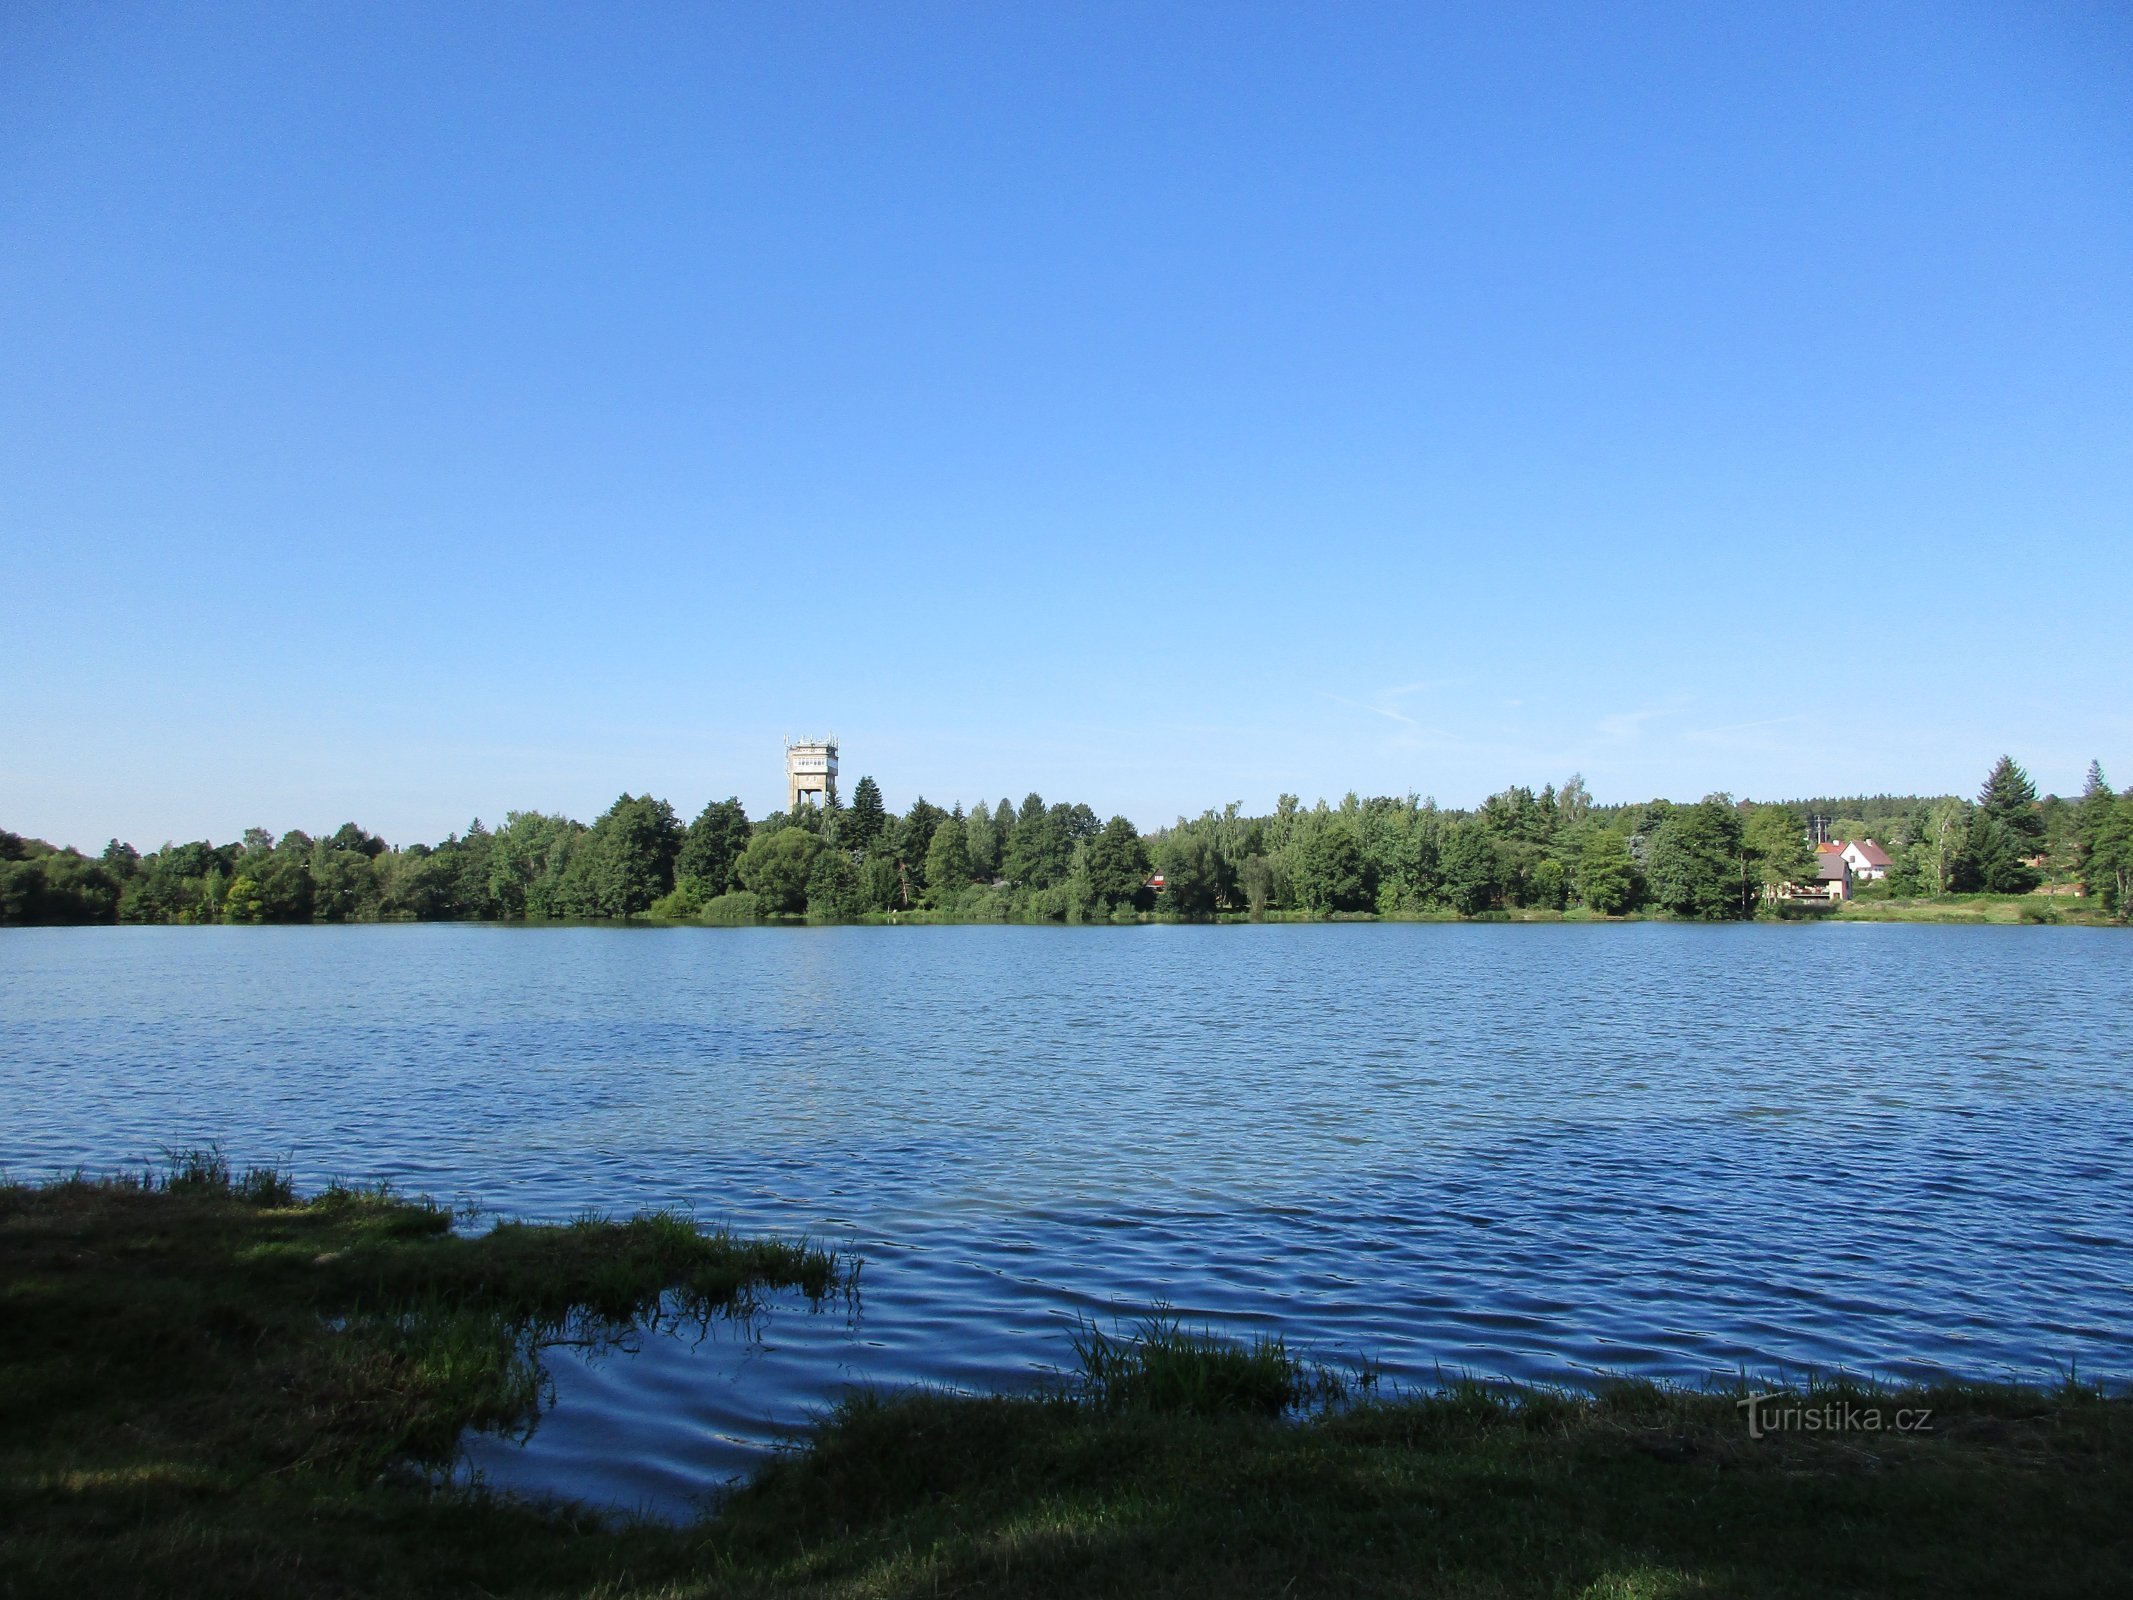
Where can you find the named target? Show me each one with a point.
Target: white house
(1867, 859)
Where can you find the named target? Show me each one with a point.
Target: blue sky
(410, 413)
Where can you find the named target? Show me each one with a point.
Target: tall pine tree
(866, 818)
(2006, 830)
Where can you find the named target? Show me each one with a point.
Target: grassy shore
(209, 1386)
(1975, 908)
(2000, 909)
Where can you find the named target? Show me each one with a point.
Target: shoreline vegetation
(2008, 856)
(210, 1385)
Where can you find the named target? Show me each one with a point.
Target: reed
(1160, 1366)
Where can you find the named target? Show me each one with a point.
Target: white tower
(810, 770)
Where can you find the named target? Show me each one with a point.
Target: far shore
(2041, 908)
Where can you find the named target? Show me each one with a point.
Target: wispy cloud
(1731, 734)
(1390, 713)
(1622, 727)
(1388, 703)
(1402, 690)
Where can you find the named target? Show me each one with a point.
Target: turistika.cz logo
(1788, 1413)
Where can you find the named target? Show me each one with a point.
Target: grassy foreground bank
(209, 1386)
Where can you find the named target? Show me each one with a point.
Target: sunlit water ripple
(1529, 1151)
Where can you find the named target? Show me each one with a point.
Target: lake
(1531, 1151)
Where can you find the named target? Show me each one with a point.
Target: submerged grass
(210, 1386)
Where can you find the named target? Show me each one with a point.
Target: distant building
(810, 771)
(1833, 872)
(1869, 862)
(1831, 881)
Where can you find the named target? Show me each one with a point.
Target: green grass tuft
(204, 1170)
(1163, 1368)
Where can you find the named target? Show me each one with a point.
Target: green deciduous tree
(344, 884)
(1115, 863)
(947, 864)
(1574, 801)
(712, 847)
(982, 840)
(833, 887)
(283, 880)
(1468, 866)
(242, 902)
(350, 837)
(1777, 842)
(1547, 885)
(1607, 873)
(881, 883)
(43, 885)
(1192, 880)
(171, 884)
(1697, 866)
(777, 867)
(1940, 843)
(1331, 873)
(528, 858)
(628, 861)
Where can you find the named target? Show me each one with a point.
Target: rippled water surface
(1532, 1151)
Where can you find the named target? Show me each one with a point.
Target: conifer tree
(866, 818)
(2012, 798)
(2005, 831)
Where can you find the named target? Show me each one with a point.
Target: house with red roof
(1869, 862)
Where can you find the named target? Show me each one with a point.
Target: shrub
(732, 910)
(776, 868)
(682, 901)
(1161, 1366)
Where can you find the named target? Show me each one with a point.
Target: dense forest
(1521, 850)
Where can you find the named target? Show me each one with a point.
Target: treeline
(1552, 850)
